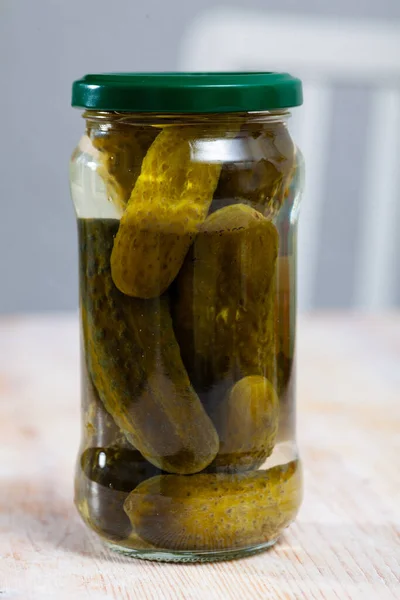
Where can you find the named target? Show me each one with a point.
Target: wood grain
(345, 543)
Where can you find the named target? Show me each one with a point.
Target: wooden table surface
(345, 543)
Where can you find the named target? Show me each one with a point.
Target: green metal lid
(187, 92)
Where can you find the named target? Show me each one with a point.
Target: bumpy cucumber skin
(215, 512)
(264, 184)
(224, 312)
(122, 148)
(247, 424)
(134, 360)
(169, 201)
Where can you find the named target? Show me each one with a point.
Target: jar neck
(99, 118)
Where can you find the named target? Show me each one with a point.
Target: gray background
(44, 45)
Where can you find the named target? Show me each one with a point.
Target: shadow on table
(62, 530)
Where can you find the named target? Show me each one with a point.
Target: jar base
(190, 557)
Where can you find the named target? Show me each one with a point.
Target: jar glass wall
(187, 258)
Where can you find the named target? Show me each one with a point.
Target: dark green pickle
(135, 363)
(224, 316)
(224, 311)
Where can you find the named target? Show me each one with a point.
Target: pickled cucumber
(247, 424)
(135, 364)
(169, 202)
(215, 512)
(224, 313)
(104, 478)
(263, 180)
(122, 149)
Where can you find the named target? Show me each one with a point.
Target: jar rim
(109, 119)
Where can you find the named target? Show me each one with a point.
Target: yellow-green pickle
(186, 189)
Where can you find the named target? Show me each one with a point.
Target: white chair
(321, 51)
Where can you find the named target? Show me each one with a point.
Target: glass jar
(186, 189)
